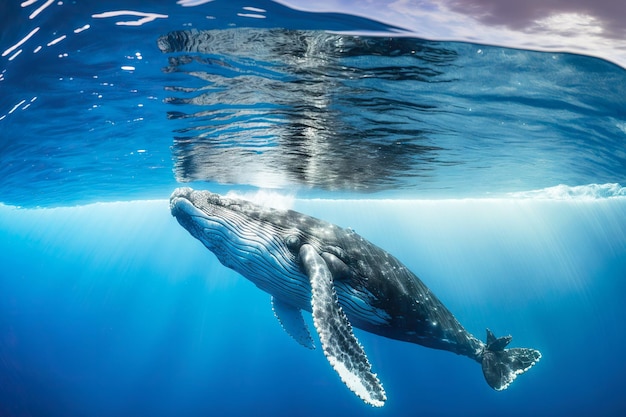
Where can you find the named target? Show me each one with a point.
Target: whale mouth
(204, 201)
(196, 213)
(186, 201)
(185, 208)
(178, 196)
(181, 206)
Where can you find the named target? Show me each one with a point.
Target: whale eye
(293, 243)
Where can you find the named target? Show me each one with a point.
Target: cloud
(606, 16)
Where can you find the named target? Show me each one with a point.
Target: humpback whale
(307, 264)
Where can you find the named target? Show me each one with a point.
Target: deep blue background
(112, 309)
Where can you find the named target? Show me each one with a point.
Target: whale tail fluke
(501, 366)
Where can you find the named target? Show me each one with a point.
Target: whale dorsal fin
(291, 320)
(341, 347)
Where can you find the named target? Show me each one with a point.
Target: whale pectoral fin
(290, 318)
(341, 347)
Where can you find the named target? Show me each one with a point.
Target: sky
(588, 27)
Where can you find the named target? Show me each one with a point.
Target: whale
(310, 265)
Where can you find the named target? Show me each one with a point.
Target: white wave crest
(267, 198)
(580, 192)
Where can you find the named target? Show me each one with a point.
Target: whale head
(255, 241)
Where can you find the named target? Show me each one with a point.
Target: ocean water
(496, 175)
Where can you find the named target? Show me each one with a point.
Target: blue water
(448, 155)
